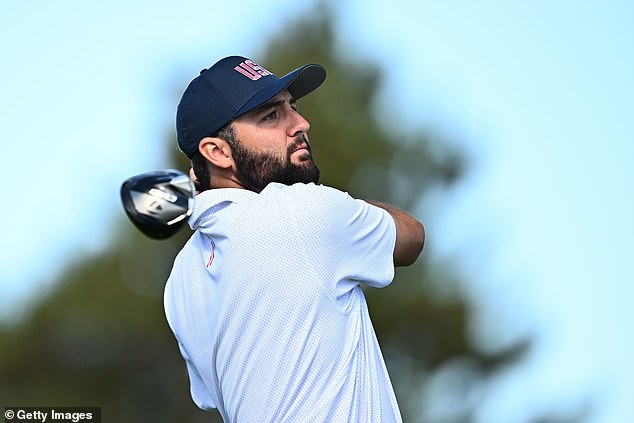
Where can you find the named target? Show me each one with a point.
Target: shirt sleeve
(346, 240)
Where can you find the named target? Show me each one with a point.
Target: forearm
(410, 235)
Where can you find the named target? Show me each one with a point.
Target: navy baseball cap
(231, 87)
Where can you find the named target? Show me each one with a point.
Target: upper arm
(410, 240)
(410, 235)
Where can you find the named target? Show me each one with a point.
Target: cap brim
(299, 83)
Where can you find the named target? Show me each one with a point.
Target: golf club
(158, 202)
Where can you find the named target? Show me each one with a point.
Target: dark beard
(256, 171)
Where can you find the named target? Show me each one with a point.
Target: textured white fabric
(266, 304)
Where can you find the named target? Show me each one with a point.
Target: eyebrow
(272, 104)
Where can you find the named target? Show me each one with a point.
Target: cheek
(272, 145)
(263, 141)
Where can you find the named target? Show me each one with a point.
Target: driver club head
(158, 202)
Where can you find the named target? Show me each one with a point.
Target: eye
(270, 116)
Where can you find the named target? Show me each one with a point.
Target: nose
(298, 125)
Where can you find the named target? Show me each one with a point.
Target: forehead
(282, 95)
(280, 98)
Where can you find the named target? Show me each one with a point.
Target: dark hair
(202, 168)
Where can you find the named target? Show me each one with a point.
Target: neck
(228, 182)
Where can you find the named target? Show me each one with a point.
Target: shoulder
(310, 199)
(330, 207)
(309, 192)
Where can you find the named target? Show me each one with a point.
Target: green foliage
(101, 339)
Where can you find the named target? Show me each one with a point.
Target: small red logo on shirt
(213, 252)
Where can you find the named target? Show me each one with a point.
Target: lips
(301, 147)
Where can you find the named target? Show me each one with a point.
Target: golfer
(265, 299)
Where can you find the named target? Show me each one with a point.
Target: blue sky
(539, 94)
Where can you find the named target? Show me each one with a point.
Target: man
(265, 298)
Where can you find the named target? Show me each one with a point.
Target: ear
(216, 151)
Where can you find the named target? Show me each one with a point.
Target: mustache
(299, 140)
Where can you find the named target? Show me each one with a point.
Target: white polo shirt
(265, 301)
